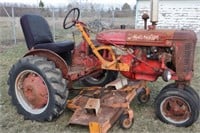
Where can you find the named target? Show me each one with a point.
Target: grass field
(145, 120)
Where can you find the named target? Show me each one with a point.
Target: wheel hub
(35, 91)
(127, 122)
(176, 109)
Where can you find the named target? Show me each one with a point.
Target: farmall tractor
(40, 82)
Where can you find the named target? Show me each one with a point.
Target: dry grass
(145, 121)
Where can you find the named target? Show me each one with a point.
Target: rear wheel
(177, 107)
(101, 78)
(37, 88)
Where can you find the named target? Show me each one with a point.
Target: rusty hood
(141, 37)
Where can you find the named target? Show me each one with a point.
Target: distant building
(175, 14)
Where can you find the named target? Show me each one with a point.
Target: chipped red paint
(82, 64)
(181, 41)
(137, 37)
(35, 91)
(142, 70)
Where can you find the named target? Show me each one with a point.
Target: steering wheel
(71, 18)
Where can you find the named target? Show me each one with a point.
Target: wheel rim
(31, 91)
(144, 98)
(127, 123)
(175, 109)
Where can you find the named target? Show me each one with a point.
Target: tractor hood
(144, 37)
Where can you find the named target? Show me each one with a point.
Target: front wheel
(142, 97)
(125, 122)
(37, 88)
(177, 107)
(187, 88)
(101, 78)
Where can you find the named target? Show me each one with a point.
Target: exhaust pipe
(154, 12)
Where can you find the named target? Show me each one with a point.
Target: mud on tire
(37, 88)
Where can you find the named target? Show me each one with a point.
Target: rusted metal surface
(184, 44)
(113, 103)
(176, 109)
(150, 37)
(35, 91)
(153, 68)
(181, 42)
(82, 65)
(77, 72)
(93, 106)
(82, 57)
(135, 37)
(132, 64)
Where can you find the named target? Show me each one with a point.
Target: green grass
(145, 120)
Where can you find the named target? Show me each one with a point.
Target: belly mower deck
(99, 108)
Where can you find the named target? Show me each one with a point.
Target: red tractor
(39, 83)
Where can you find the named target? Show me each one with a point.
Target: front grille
(184, 44)
(188, 57)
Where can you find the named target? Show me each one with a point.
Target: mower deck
(99, 108)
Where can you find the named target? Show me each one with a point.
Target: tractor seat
(38, 35)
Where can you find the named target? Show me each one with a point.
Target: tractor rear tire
(177, 107)
(37, 88)
(101, 78)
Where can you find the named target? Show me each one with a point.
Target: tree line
(86, 9)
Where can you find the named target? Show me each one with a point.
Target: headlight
(166, 75)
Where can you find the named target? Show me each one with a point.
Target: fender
(52, 56)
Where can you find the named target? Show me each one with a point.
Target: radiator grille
(188, 57)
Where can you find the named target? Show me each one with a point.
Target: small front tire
(142, 97)
(187, 88)
(176, 107)
(125, 122)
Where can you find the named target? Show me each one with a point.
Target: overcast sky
(65, 2)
